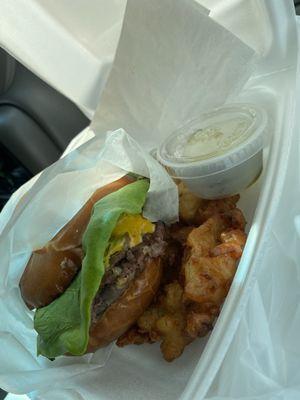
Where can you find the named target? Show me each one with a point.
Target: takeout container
(139, 372)
(220, 153)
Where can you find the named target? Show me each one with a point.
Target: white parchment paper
(172, 63)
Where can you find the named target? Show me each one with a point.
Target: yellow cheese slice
(135, 226)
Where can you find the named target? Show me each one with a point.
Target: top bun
(52, 268)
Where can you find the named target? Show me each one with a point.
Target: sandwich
(98, 274)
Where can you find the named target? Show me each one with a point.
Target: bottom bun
(128, 308)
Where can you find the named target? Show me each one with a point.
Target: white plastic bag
(49, 204)
(157, 99)
(263, 359)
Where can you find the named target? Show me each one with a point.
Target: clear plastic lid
(216, 141)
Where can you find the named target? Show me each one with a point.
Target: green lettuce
(63, 325)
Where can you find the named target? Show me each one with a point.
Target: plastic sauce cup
(218, 154)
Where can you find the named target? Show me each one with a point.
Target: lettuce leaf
(63, 325)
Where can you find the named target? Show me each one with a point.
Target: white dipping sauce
(220, 153)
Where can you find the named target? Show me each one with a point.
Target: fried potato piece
(164, 321)
(210, 267)
(171, 327)
(207, 279)
(208, 272)
(219, 206)
(233, 242)
(198, 324)
(188, 204)
(226, 207)
(194, 211)
(202, 239)
(134, 336)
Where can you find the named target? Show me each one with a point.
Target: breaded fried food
(195, 211)
(164, 321)
(189, 204)
(187, 307)
(211, 260)
(226, 207)
(203, 252)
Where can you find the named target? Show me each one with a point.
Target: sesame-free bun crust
(52, 268)
(127, 308)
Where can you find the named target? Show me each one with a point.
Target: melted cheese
(135, 226)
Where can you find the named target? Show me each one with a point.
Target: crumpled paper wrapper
(172, 63)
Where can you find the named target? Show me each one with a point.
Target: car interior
(36, 125)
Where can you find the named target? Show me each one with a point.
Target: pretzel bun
(52, 268)
(127, 308)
